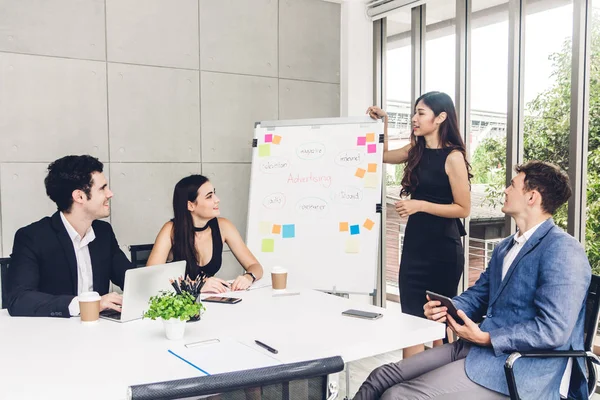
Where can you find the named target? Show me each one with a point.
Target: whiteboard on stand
(315, 201)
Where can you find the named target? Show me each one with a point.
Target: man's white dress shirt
(85, 277)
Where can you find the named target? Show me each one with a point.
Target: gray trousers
(438, 373)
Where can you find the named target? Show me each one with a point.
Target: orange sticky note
(360, 172)
(276, 229)
(372, 168)
(276, 139)
(343, 227)
(370, 137)
(369, 224)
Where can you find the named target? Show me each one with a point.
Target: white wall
(356, 59)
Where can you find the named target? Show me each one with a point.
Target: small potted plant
(174, 309)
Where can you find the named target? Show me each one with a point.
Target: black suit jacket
(42, 278)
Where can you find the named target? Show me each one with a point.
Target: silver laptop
(141, 284)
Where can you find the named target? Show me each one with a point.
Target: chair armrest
(510, 361)
(551, 353)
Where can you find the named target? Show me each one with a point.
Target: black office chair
(280, 382)
(4, 263)
(592, 309)
(140, 254)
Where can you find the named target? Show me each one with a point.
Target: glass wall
(546, 104)
(548, 34)
(440, 47)
(592, 239)
(398, 92)
(489, 61)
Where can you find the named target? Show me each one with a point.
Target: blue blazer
(540, 304)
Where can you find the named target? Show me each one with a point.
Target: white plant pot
(174, 328)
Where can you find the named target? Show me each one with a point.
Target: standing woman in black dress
(437, 178)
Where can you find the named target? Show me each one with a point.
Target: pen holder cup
(195, 318)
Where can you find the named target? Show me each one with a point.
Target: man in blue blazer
(57, 258)
(531, 297)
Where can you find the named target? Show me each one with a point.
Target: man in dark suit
(57, 258)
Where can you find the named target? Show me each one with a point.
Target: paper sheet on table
(225, 356)
(259, 284)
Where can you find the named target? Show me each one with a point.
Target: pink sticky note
(361, 141)
(372, 148)
(268, 138)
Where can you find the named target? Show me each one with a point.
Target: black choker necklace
(196, 229)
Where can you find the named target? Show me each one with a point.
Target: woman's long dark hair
(449, 138)
(183, 236)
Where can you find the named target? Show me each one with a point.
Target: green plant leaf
(167, 305)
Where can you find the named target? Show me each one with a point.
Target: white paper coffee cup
(279, 278)
(89, 307)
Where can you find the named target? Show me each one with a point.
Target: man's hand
(469, 331)
(215, 285)
(242, 282)
(433, 311)
(111, 301)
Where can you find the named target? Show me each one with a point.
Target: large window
(547, 49)
(398, 92)
(549, 28)
(592, 239)
(440, 47)
(489, 77)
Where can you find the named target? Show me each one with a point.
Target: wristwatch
(252, 275)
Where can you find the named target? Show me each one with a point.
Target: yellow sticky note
(268, 245)
(370, 137)
(343, 227)
(264, 228)
(276, 229)
(372, 167)
(352, 245)
(264, 150)
(369, 224)
(371, 180)
(276, 139)
(360, 172)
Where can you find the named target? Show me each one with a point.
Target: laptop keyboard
(112, 314)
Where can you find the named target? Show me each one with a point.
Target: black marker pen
(269, 348)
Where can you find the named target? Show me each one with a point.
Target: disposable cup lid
(89, 296)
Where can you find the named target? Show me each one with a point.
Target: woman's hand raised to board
(376, 112)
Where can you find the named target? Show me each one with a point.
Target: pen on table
(269, 348)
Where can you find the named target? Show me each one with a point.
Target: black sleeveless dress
(432, 254)
(214, 265)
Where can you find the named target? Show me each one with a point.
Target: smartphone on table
(446, 302)
(361, 314)
(222, 300)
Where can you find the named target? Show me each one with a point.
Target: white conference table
(56, 358)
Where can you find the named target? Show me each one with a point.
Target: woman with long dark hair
(196, 234)
(437, 179)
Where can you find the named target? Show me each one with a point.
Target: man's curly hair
(68, 174)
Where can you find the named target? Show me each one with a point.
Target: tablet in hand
(446, 302)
